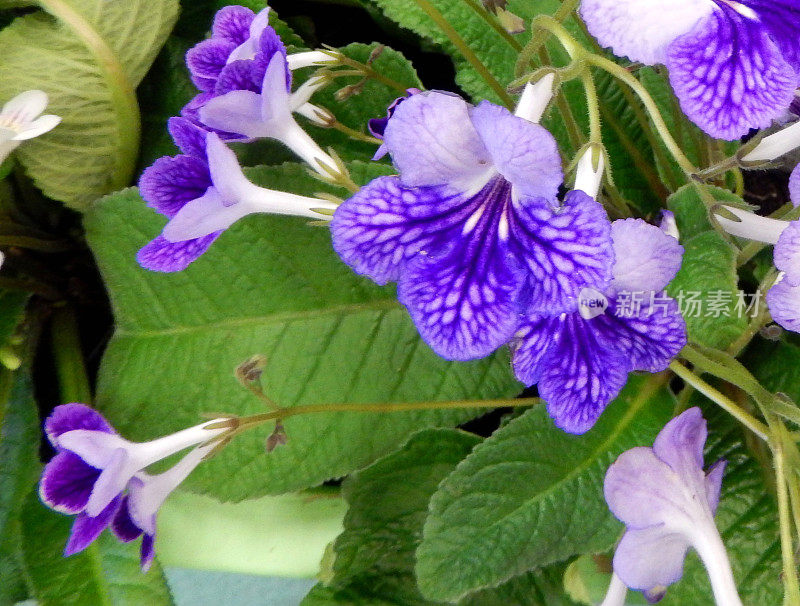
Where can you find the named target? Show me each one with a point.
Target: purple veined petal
(385, 224)
(680, 445)
(565, 249)
(270, 44)
(68, 417)
(782, 19)
(171, 182)
(191, 111)
(646, 258)
(148, 552)
(465, 302)
(432, 142)
(250, 46)
(642, 29)
(67, 483)
(238, 112)
(243, 74)
(530, 345)
(579, 375)
(794, 186)
(164, 256)
(233, 23)
(787, 253)
(650, 337)
(650, 558)
(524, 152)
(206, 61)
(783, 301)
(714, 484)
(188, 136)
(123, 526)
(729, 75)
(642, 491)
(86, 529)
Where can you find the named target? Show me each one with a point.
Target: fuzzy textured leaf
(89, 56)
(531, 495)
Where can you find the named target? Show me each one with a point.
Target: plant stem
(754, 425)
(457, 41)
(790, 583)
(72, 378)
(494, 24)
(540, 36)
(285, 413)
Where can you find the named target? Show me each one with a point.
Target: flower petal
(714, 484)
(188, 136)
(148, 552)
(123, 526)
(730, 76)
(650, 557)
(646, 258)
(233, 23)
(787, 253)
(162, 255)
(565, 249)
(203, 216)
(642, 491)
(112, 481)
(530, 347)
(642, 29)
(40, 126)
(649, 338)
(580, 376)
(86, 529)
(238, 111)
(206, 61)
(783, 301)
(25, 107)
(432, 142)
(465, 303)
(524, 153)
(67, 482)
(68, 417)
(680, 444)
(782, 19)
(243, 74)
(386, 224)
(171, 182)
(794, 186)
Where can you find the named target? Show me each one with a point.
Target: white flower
(20, 120)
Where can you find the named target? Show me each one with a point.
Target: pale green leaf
(531, 495)
(269, 285)
(89, 56)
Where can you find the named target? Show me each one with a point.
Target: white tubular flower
(535, 98)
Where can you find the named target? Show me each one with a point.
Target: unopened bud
(251, 369)
(376, 52)
(512, 23)
(493, 5)
(343, 94)
(277, 438)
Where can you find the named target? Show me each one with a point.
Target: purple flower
(93, 466)
(581, 359)
(203, 192)
(667, 503)
(733, 65)
(472, 230)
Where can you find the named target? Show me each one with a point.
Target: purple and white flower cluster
(99, 476)
(733, 64)
(243, 73)
(484, 253)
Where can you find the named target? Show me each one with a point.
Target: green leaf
(706, 289)
(531, 495)
(388, 504)
(89, 56)
(269, 285)
(12, 307)
(19, 464)
(107, 573)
